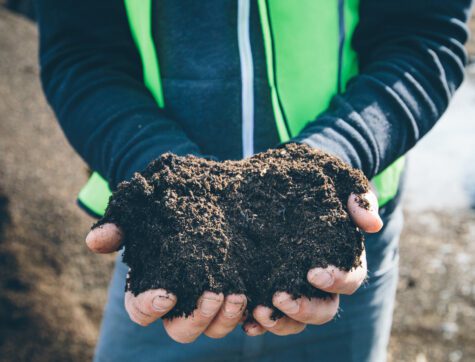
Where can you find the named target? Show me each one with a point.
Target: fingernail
(232, 309)
(162, 302)
(209, 305)
(321, 278)
(287, 304)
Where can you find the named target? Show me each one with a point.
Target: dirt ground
(52, 290)
(434, 318)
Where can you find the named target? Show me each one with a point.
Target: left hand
(302, 311)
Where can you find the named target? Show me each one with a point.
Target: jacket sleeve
(411, 55)
(92, 77)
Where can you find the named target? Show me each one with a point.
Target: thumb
(363, 210)
(104, 239)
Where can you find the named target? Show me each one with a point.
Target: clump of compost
(254, 226)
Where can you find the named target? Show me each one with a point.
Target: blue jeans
(360, 332)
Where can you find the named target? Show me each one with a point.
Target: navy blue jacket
(411, 57)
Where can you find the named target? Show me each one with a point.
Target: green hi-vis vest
(309, 60)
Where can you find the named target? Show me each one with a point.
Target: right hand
(216, 315)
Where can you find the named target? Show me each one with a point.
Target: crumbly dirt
(254, 226)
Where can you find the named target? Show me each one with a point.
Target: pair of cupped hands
(217, 314)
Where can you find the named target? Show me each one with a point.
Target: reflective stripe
(247, 78)
(95, 195)
(139, 13)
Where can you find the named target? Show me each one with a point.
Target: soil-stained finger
(228, 317)
(334, 280)
(282, 327)
(104, 239)
(187, 329)
(309, 311)
(148, 306)
(363, 210)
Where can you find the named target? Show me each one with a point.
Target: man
(363, 80)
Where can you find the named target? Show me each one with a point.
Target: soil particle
(254, 226)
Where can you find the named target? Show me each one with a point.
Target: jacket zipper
(247, 78)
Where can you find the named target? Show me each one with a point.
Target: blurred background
(52, 289)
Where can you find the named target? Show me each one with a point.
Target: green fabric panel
(95, 194)
(306, 39)
(301, 44)
(387, 182)
(266, 33)
(139, 13)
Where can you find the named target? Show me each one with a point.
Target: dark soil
(254, 226)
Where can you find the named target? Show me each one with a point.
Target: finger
(309, 311)
(187, 329)
(148, 306)
(105, 238)
(334, 280)
(228, 316)
(281, 327)
(253, 329)
(368, 218)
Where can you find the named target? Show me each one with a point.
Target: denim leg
(360, 332)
